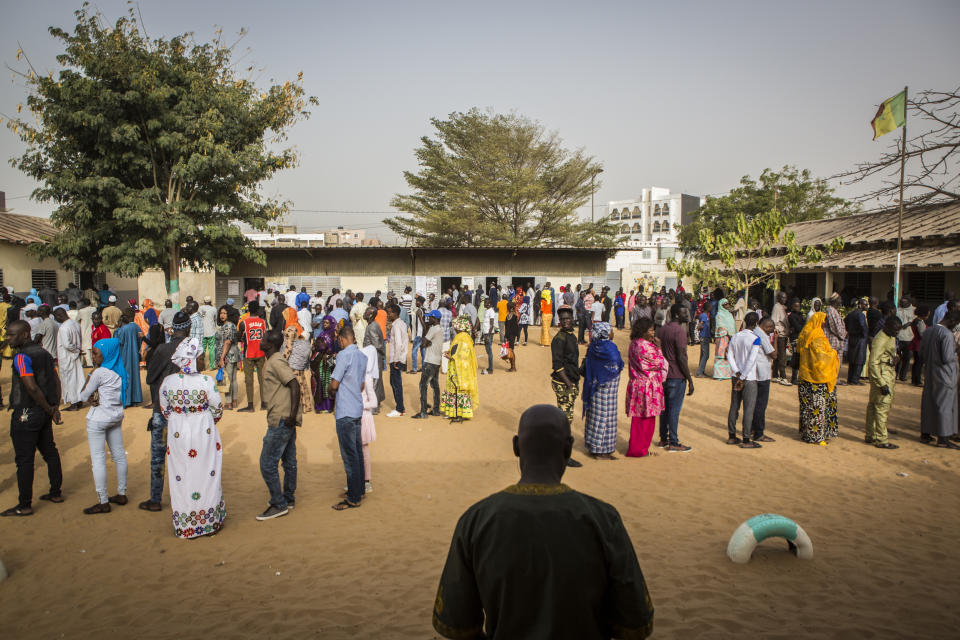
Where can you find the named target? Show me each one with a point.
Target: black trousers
(429, 377)
(584, 322)
(32, 430)
(780, 362)
(904, 366)
(856, 356)
(396, 382)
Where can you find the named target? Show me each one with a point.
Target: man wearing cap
(111, 314)
(208, 316)
(432, 344)
(539, 559)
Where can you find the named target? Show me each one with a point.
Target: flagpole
(903, 159)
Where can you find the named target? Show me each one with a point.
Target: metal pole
(593, 180)
(903, 159)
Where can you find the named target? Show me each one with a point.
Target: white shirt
(489, 321)
(763, 362)
(742, 354)
(305, 318)
(208, 314)
(290, 297)
(597, 309)
(261, 297)
(398, 341)
(108, 385)
(906, 315)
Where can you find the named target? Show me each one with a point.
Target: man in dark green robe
(540, 560)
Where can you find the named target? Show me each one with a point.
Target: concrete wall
(18, 264)
(197, 284)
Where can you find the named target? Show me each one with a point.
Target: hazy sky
(684, 95)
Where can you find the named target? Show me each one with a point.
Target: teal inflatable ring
(767, 525)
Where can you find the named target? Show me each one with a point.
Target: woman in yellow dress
(460, 399)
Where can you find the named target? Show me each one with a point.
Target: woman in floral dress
(648, 370)
(226, 354)
(325, 346)
(819, 368)
(190, 403)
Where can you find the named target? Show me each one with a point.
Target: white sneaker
(368, 487)
(394, 414)
(786, 382)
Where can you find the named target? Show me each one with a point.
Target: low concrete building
(425, 270)
(20, 270)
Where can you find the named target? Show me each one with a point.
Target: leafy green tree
(152, 150)
(796, 194)
(756, 252)
(498, 180)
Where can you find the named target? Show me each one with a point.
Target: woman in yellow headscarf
(461, 399)
(819, 368)
(546, 316)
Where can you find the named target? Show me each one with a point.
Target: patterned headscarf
(600, 331)
(186, 354)
(462, 324)
(602, 364)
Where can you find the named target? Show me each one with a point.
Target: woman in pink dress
(648, 370)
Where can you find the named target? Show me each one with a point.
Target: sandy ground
(883, 566)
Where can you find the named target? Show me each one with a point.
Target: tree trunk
(172, 274)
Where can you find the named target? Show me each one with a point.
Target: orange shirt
(381, 320)
(290, 319)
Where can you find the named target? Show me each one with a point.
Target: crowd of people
(303, 353)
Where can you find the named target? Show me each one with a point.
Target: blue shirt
(938, 314)
(349, 372)
(339, 314)
(302, 298)
(705, 327)
(318, 318)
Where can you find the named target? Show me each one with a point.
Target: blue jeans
(704, 355)
(673, 391)
(158, 452)
(351, 450)
(416, 351)
(280, 445)
(98, 433)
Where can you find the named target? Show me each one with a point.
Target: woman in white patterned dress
(192, 407)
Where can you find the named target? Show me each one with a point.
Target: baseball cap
(434, 314)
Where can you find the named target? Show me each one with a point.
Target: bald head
(543, 443)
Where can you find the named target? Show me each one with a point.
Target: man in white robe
(85, 320)
(68, 360)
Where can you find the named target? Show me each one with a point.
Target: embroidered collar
(537, 489)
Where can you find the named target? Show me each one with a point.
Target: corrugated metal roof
(19, 229)
(929, 222)
(947, 256)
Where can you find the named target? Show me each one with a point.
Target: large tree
(795, 193)
(932, 155)
(153, 150)
(498, 180)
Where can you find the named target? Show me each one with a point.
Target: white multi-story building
(648, 225)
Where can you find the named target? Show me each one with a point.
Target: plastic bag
(220, 374)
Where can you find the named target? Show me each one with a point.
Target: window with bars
(858, 284)
(926, 287)
(1, 277)
(806, 284)
(43, 278)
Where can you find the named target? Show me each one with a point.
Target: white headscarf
(186, 354)
(373, 364)
(812, 310)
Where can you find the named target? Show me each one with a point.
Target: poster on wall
(233, 287)
(466, 282)
(432, 285)
(421, 285)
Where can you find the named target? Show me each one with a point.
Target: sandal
(343, 505)
(750, 445)
(887, 445)
(734, 441)
(119, 499)
(764, 439)
(17, 511)
(148, 505)
(52, 498)
(98, 508)
(946, 444)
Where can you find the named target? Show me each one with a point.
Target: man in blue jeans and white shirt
(281, 394)
(744, 352)
(347, 383)
(765, 331)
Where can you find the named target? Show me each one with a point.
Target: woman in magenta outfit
(648, 370)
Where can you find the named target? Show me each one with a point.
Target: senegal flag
(891, 114)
